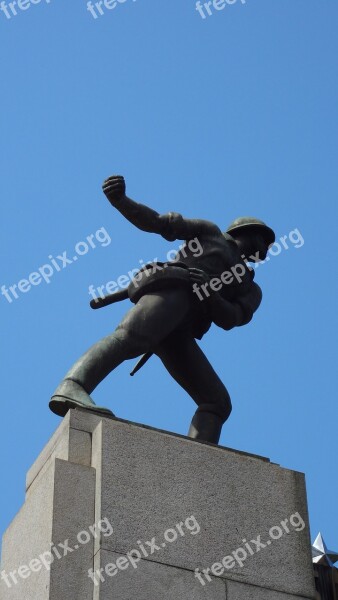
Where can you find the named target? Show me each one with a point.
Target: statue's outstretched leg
(189, 366)
(150, 321)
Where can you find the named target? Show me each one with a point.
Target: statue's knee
(221, 406)
(137, 343)
(226, 408)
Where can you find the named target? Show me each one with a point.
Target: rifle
(110, 299)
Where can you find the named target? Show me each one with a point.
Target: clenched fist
(114, 188)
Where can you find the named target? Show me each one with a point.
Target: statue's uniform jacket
(217, 254)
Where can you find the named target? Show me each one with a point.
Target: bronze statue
(175, 304)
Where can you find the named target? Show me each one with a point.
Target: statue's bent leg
(189, 366)
(150, 321)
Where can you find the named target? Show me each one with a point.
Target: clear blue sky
(220, 117)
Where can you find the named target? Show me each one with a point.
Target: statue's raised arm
(172, 226)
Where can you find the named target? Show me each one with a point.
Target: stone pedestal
(115, 510)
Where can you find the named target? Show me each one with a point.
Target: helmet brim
(264, 230)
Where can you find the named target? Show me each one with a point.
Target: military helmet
(247, 223)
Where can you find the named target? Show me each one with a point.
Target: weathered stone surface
(240, 591)
(180, 504)
(73, 515)
(150, 481)
(67, 443)
(27, 537)
(60, 506)
(154, 581)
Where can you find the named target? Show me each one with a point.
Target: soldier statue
(175, 303)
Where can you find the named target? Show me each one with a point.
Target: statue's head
(252, 236)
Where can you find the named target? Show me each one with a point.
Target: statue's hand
(114, 188)
(198, 276)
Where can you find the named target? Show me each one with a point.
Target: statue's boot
(74, 391)
(71, 394)
(206, 426)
